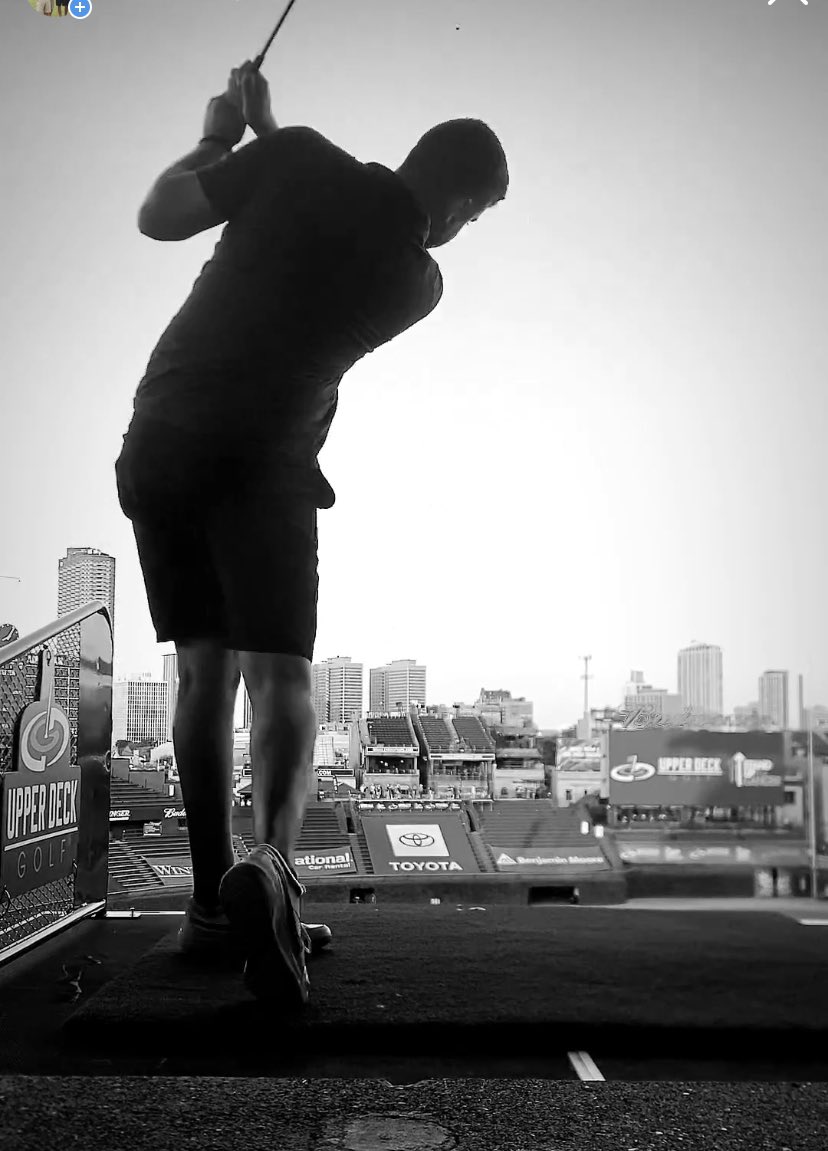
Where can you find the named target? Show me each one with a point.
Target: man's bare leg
(203, 740)
(281, 745)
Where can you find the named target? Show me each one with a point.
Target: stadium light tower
(812, 806)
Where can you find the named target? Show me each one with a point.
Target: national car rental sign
(41, 797)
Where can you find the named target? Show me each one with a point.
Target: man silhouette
(323, 259)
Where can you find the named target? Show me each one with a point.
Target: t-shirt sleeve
(232, 181)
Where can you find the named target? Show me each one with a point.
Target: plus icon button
(80, 9)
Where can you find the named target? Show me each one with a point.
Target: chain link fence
(22, 915)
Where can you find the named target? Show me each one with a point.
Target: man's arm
(176, 207)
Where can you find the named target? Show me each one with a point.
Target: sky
(612, 429)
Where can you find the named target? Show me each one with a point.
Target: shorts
(224, 555)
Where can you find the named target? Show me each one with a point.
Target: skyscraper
(85, 574)
(396, 686)
(337, 690)
(700, 679)
(773, 698)
(171, 680)
(139, 710)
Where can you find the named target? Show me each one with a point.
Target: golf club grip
(257, 63)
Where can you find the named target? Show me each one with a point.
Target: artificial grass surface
(428, 976)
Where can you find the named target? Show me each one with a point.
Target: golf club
(257, 63)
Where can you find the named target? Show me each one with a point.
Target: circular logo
(80, 9)
(632, 772)
(416, 839)
(40, 747)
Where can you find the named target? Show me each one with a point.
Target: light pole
(812, 805)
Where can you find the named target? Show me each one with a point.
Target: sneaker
(206, 935)
(261, 897)
(318, 937)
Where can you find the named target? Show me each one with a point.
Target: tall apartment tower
(247, 709)
(139, 710)
(171, 680)
(396, 686)
(700, 679)
(86, 574)
(338, 692)
(773, 698)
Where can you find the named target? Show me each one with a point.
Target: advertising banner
(546, 859)
(368, 805)
(770, 855)
(421, 849)
(678, 767)
(147, 813)
(173, 872)
(326, 861)
(578, 755)
(41, 797)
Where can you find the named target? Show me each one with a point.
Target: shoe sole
(269, 973)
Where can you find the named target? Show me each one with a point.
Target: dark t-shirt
(322, 261)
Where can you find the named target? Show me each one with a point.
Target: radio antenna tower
(586, 677)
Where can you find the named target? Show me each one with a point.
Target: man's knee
(276, 681)
(206, 667)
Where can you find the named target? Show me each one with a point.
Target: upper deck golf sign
(41, 796)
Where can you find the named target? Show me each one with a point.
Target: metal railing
(77, 648)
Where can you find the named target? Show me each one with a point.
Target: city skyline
(608, 438)
(789, 718)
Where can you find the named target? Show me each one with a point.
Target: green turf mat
(427, 975)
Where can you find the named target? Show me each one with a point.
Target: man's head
(456, 170)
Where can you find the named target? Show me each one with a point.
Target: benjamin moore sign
(697, 768)
(540, 858)
(41, 797)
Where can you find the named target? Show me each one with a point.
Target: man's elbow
(150, 224)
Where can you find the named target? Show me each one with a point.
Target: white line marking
(583, 1066)
(813, 922)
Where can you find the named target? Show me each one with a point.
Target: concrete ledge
(513, 890)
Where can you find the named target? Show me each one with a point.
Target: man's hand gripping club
(246, 102)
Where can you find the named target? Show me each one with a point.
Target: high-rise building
(396, 686)
(337, 687)
(247, 709)
(700, 679)
(638, 694)
(86, 574)
(139, 710)
(171, 680)
(773, 698)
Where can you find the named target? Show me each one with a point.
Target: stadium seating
(437, 734)
(128, 872)
(391, 730)
(530, 825)
(473, 734)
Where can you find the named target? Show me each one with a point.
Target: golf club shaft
(257, 63)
